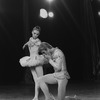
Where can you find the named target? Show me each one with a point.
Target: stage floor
(83, 91)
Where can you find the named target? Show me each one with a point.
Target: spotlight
(49, 1)
(43, 13)
(51, 14)
(99, 13)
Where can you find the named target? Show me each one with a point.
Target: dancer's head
(36, 32)
(45, 48)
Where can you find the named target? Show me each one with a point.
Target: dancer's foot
(35, 98)
(51, 97)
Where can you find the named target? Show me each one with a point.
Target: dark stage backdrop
(72, 30)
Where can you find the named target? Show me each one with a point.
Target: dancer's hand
(47, 56)
(24, 46)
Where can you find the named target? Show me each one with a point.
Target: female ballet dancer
(34, 61)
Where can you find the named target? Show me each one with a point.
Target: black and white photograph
(49, 49)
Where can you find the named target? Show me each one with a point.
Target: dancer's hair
(37, 28)
(44, 46)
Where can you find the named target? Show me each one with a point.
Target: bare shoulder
(59, 52)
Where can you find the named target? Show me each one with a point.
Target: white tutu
(31, 61)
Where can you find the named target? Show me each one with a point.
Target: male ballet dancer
(57, 60)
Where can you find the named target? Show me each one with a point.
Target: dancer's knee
(39, 80)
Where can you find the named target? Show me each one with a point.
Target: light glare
(99, 13)
(49, 1)
(43, 13)
(51, 14)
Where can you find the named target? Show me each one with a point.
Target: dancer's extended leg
(34, 74)
(39, 73)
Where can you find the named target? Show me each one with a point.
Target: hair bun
(37, 28)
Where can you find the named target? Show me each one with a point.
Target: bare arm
(56, 63)
(27, 43)
(32, 42)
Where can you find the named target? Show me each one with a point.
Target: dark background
(74, 29)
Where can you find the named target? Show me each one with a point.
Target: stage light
(99, 13)
(51, 14)
(43, 13)
(49, 1)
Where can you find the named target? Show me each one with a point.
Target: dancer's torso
(60, 70)
(60, 60)
(34, 46)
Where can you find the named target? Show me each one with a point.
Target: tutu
(32, 61)
(24, 60)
